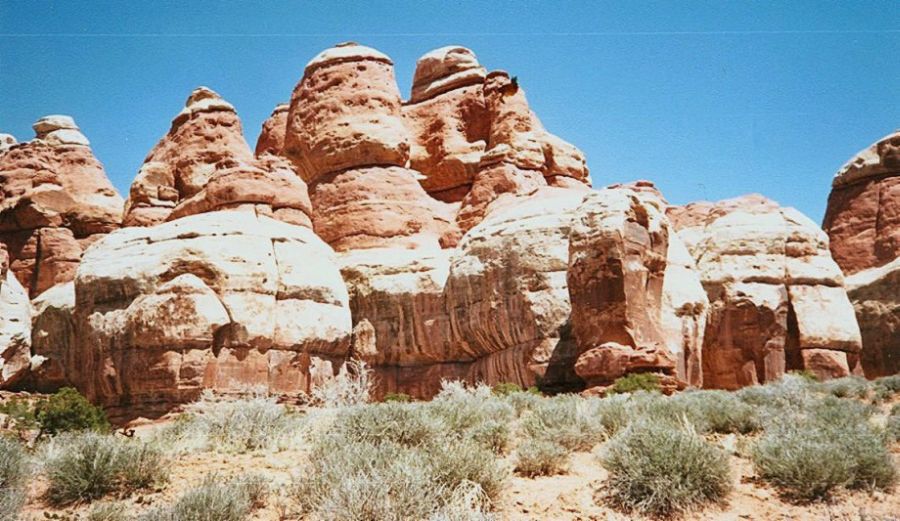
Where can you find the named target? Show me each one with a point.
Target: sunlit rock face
(204, 164)
(863, 222)
(777, 298)
(55, 200)
(220, 300)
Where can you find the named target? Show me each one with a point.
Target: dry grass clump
(13, 471)
(215, 500)
(85, 466)
(658, 469)
(351, 386)
(717, 411)
(537, 457)
(400, 461)
(576, 423)
(237, 425)
(829, 445)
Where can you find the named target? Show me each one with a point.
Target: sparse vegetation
(214, 500)
(847, 387)
(829, 445)
(892, 426)
(107, 512)
(635, 382)
(351, 386)
(13, 470)
(67, 410)
(657, 469)
(86, 466)
(537, 457)
(397, 397)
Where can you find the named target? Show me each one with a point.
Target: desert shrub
(505, 388)
(660, 469)
(107, 512)
(473, 413)
(541, 458)
(236, 425)
(524, 401)
(363, 471)
(892, 426)
(717, 411)
(404, 424)
(635, 382)
(566, 421)
(352, 386)
(775, 400)
(214, 500)
(831, 445)
(397, 397)
(847, 387)
(67, 410)
(13, 471)
(21, 412)
(806, 374)
(88, 465)
(886, 386)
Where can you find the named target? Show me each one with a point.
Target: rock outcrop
(863, 223)
(777, 298)
(204, 164)
(15, 327)
(346, 137)
(55, 200)
(222, 300)
(271, 137)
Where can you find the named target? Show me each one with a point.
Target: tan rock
(53, 338)
(862, 219)
(225, 301)
(774, 291)
(55, 200)
(6, 142)
(15, 328)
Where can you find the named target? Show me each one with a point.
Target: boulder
(224, 300)
(875, 293)
(55, 200)
(204, 164)
(774, 290)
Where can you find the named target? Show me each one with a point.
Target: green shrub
(397, 397)
(506, 388)
(635, 382)
(22, 413)
(831, 445)
(541, 458)
(85, 466)
(214, 500)
(806, 374)
(67, 410)
(13, 471)
(658, 469)
(887, 385)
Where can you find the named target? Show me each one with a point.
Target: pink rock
(271, 138)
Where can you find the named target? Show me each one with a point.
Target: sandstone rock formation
(53, 338)
(204, 163)
(863, 222)
(271, 137)
(55, 200)
(222, 300)
(346, 136)
(6, 142)
(778, 300)
(15, 327)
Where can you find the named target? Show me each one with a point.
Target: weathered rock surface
(346, 137)
(204, 164)
(6, 142)
(15, 327)
(53, 338)
(778, 300)
(224, 300)
(863, 223)
(863, 215)
(271, 137)
(55, 201)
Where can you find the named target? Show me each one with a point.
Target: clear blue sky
(707, 99)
